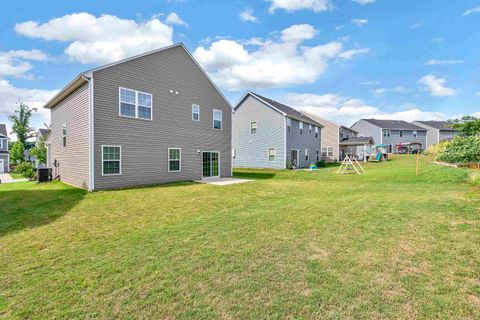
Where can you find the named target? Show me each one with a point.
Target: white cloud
(438, 40)
(369, 83)
(100, 39)
(472, 11)
(265, 63)
(14, 62)
(382, 91)
(433, 62)
(247, 16)
(359, 22)
(295, 5)
(298, 33)
(347, 110)
(436, 86)
(364, 2)
(174, 19)
(353, 52)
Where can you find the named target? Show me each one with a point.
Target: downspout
(285, 139)
(91, 150)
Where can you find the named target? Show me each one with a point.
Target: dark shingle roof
(440, 125)
(44, 132)
(3, 130)
(290, 112)
(394, 124)
(355, 141)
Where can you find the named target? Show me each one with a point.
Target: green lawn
(16, 176)
(295, 245)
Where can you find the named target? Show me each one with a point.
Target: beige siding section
(145, 143)
(73, 159)
(329, 136)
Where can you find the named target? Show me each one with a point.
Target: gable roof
(285, 110)
(3, 131)
(440, 125)
(355, 141)
(86, 75)
(44, 132)
(394, 124)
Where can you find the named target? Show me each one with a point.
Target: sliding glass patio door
(211, 167)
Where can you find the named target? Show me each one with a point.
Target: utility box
(44, 174)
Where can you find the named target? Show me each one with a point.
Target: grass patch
(16, 176)
(292, 244)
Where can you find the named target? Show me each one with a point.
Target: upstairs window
(195, 112)
(289, 124)
(300, 124)
(135, 104)
(318, 155)
(217, 119)
(174, 159)
(401, 133)
(310, 128)
(64, 135)
(316, 132)
(414, 133)
(306, 154)
(253, 127)
(111, 160)
(272, 153)
(387, 133)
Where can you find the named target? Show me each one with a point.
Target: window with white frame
(387, 133)
(135, 104)
(174, 159)
(300, 125)
(195, 112)
(318, 155)
(327, 152)
(415, 133)
(64, 135)
(253, 127)
(330, 152)
(217, 119)
(316, 132)
(289, 124)
(310, 128)
(306, 154)
(272, 153)
(111, 160)
(234, 153)
(1, 143)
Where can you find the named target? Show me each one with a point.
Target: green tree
(468, 126)
(21, 123)
(16, 153)
(40, 151)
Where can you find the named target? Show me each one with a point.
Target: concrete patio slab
(6, 178)
(223, 181)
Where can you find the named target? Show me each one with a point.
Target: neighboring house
(338, 141)
(268, 134)
(437, 131)
(395, 135)
(153, 118)
(42, 134)
(4, 155)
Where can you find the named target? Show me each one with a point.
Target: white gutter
(91, 150)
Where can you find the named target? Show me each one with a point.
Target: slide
(379, 156)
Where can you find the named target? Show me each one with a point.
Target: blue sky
(342, 59)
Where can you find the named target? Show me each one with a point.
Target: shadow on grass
(254, 175)
(24, 209)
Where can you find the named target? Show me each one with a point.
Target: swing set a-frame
(351, 165)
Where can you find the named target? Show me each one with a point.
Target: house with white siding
(269, 134)
(152, 118)
(4, 155)
(437, 131)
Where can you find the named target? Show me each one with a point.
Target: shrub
(437, 149)
(462, 150)
(25, 169)
(320, 163)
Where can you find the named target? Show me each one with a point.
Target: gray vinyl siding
(73, 159)
(252, 149)
(329, 137)
(366, 129)
(4, 156)
(4, 145)
(145, 143)
(300, 142)
(447, 134)
(395, 138)
(432, 133)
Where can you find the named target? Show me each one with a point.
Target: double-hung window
(195, 112)
(318, 155)
(300, 124)
(64, 134)
(316, 132)
(415, 133)
(401, 133)
(327, 152)
(330, 152)
(306, 154)
(272, 153)
(217, 119)
(289, 124)
(111, 160)
(174, 159)
(135, 104)
(253, 127)
(387, 133)
(310, 128)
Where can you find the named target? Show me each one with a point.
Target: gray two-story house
(153, 118)
(4, 155)
(437, 131)
(269, 134)
(395, 135)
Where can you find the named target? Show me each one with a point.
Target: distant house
(269, 134)
(339, 141)
(4, 155)
(42, 135)
(437, 131)
(152, 118)
(397, 136)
